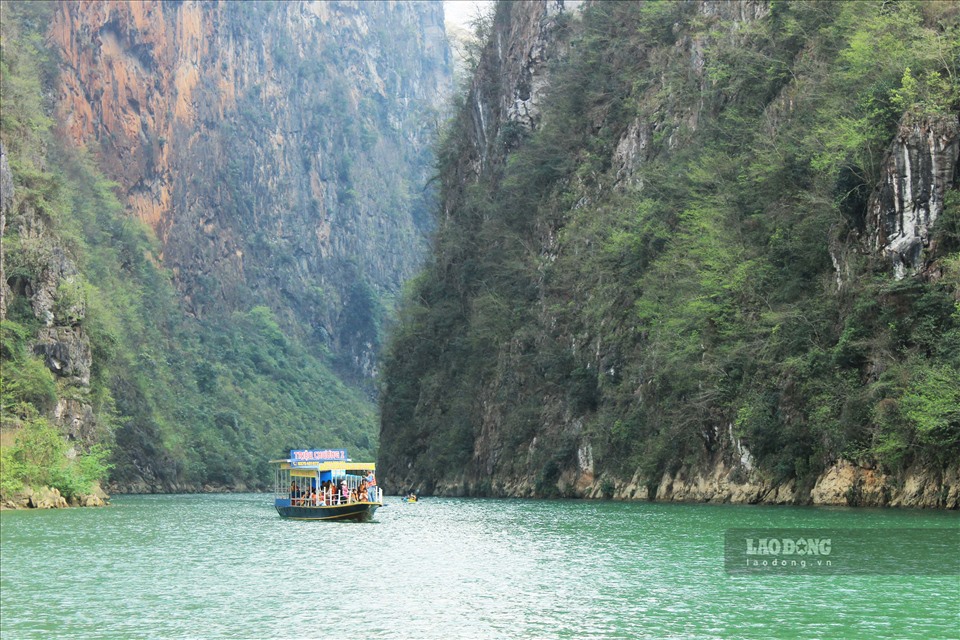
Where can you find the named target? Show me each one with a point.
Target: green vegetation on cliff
(652, 310)
(199, 401)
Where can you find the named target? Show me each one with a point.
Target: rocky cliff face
(920, 168)
(57, 301)
(279, 150)
(563, 380)
(506, 89)
(280, 153)
(504, 105)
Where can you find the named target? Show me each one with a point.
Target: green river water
(226, 566)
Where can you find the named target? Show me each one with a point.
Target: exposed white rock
(903, 208)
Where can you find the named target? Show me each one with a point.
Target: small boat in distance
(323, 484)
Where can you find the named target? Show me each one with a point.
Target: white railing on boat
(335, 498)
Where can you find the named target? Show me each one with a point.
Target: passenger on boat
(325, 492)
(371, 487)
(344, 492)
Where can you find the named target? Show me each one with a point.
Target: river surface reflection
(219, 566)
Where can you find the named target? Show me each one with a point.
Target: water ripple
(228, 567)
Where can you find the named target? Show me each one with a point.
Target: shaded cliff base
(146, 487)
(51, 498)
(842, 484)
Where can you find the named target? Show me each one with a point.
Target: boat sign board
(310, 457)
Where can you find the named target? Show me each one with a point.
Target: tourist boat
(309, 485)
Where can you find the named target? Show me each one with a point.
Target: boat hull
(358, 512)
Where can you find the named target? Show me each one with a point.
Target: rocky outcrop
(921, 166)
(66, 352)
(42, 498)
(279, 150)
(845, 483)
(76, 420)
(57, 300)
(508, 85)
(842, 484)
(724, 484)
(51, 498)
(53, 286)
(45, 498)
(676, 121)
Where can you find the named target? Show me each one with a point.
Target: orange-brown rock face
(117, 89)
(279, 150)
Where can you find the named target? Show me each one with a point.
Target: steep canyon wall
(271, 161)
(652, 212)
(280, 151)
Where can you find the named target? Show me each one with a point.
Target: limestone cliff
(208, 211)
(506, 89)
(55, 299)
(922, 165)
(647, 209)
(280, 151)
